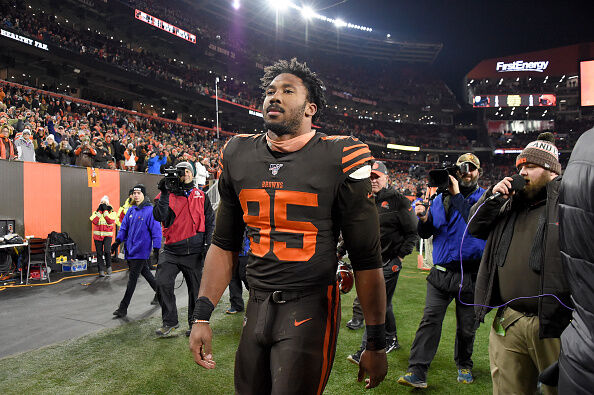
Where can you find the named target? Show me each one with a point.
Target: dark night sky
(471, 30)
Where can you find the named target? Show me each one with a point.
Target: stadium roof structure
(326, 37)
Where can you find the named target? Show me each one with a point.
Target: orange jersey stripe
(353, 155)
(325, 356)
(350, 147)
(367, 158)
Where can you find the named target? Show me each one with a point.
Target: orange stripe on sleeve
(367, 158)
(353, 155)
(350, 147)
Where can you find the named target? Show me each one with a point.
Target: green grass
(129, 359)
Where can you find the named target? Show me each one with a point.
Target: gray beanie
(186, 165)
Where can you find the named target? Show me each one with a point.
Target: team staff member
(522, 258)
(124, 208)
(446, 221)
(295, 189)
(398, 235)
(188, 222)
(140, 232)
(103, 224)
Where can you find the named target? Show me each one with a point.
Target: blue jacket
(140, 231)
(447, 234)
(154, 164)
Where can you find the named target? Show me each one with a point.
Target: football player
(295, 190)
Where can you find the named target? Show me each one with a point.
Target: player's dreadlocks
(313, 83)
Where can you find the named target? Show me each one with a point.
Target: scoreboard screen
(522, 100)
(587, 82)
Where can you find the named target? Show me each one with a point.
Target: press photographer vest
(189, 216)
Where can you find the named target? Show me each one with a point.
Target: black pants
(169, 267)
(391, 279)
(235, 289)
(288, 348)
(137, 267)
(427, 338)
(103, 248)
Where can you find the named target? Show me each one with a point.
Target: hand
(504, 187)
(201, 345)
(375, 364)
(421, 211)
(114, 248)
(454, 187)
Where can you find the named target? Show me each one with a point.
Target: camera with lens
(440, 177)
(172, 178)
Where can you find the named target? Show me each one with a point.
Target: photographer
(446, 221)
(188, 222)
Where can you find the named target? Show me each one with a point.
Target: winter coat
(101, 158)
(576, 225)
(25, 149)
(103, 224)
(140, 231)
(155, 163)
(7, 150)
(123, 210)
(490, 223)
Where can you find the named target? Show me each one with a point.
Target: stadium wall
(42, 197)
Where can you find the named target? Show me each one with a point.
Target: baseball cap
(379, 168)
(469, 158)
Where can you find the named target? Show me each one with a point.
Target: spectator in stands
(48, 151)
(7, 150)
(103, 220)
(25, 147)
(141, 233)
(101, 156)
(446, 221)
(201, 173)
(85, 153)
(188, 222)
(156, 161)
(522, 258)
(66, 156)
(119, 147)
(130, 155)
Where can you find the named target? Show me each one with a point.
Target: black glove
(162, 186)
(108, 208)
(156, 255)
(114, 247)
(101, 208)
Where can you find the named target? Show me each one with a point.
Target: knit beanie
(140, 187)
(541, 152)
(186, 165)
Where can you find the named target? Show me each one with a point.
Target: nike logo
(369, 195)
(297, 323)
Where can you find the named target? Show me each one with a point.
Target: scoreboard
(521, 100)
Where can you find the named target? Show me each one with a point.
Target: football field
(131, 360)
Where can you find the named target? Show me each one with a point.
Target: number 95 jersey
(294, 206)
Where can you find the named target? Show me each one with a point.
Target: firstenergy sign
(520, 65)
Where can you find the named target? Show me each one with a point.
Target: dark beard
(535, 189)
(289, 126)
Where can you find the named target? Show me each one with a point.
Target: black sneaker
(392, 345)
(119, 313)
(355, 324)
(165, 330)
(188, 332)
(356, 357)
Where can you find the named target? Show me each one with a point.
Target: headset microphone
(517, 184)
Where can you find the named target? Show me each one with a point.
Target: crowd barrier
(43, 197)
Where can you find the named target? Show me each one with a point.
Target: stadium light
(403, 147)
(236, 4)
(388, 35)
(307, 12)
(339, 23)
(279, 5)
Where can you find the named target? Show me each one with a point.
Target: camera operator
(446, 221)
(187, 218)
(522, 258)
